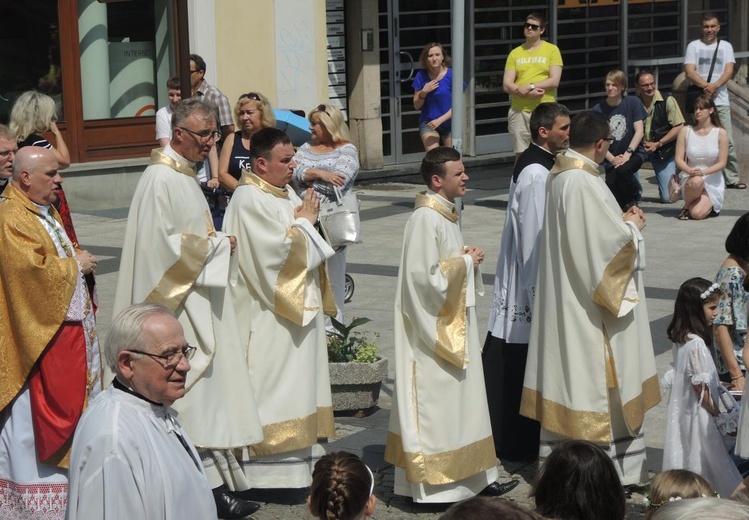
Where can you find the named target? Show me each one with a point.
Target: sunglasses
(532, 26)
(251, 95)
(322, 108)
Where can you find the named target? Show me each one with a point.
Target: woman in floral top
(730, 324)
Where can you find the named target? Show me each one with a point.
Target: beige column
(363, 78)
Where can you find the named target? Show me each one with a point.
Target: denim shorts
(442, 131)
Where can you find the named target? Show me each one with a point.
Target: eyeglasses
(532, 26)
(173, 359)
(194, 71)
(203, 137)
(251, 95)
(609, 139)
(7, 153)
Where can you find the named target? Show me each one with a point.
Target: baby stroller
(217, 199)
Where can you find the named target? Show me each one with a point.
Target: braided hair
(341, 487)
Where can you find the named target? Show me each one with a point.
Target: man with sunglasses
(210, 94)
(173, 255)
(532, 74)
(590, 373)
(131, 458)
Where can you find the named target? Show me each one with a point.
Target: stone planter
(356, 386)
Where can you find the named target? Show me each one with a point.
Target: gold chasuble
(590, 372)
(173, 255)
(30, 265)
(439, 437)
(281, 297)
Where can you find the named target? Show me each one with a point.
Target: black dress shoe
(495, 489)
(230, 507)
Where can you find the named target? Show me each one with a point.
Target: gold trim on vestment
(451, 320)
(329, 308)
(441, 468)
(180, 277)
(292, 278)
(325, 422)
(563, 162)
(611, 289)
(634, 410)
(36, 287)
(611, 379)
(251, 179)
(425, 201)
(557, 418)
(294, 434)
(159, 157)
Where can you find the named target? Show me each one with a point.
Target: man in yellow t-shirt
(531, 77)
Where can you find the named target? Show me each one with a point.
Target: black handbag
(693, 91)
(659, 128)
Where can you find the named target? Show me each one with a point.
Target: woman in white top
(701, 155)
(328, 162)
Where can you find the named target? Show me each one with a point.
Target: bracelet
(737, 377)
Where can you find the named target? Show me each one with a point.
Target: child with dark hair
(489, 508)
(579, 481)
(342, 488)
(693, 441)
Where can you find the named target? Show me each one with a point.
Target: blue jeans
(664, 170)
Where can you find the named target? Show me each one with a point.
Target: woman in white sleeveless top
(701, 155)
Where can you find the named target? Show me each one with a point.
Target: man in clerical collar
(131, 458)
(282, 295)
(587, 247)
(173, 255)
(506, 345)
(8, 149)
(438, 352)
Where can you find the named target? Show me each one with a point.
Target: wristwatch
(533, 87)
(629, 149)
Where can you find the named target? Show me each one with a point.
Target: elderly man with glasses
(8, 151)
(532, 74)
(202, 90)
(173, 255)
(131, 458)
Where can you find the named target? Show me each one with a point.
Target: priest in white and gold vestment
(172, 255)
(281, 296)
(590, 373)
(440, 438)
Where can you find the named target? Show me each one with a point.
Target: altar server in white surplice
(131, 458)
(173, 255)
(590, 373)
(281, 297)
(506, 345)
(439, 437)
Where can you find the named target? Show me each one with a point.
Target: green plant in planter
(346, 345)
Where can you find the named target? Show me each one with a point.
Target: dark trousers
(515, 437)
(624, 182)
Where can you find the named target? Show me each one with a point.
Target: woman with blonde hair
(329, 163)
(701, 156)
(253, 112)
(34, 113)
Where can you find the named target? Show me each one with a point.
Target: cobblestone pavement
(675, 251)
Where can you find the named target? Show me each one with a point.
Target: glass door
(405, 27)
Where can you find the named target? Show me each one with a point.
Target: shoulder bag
(340, 219)
(693, 91)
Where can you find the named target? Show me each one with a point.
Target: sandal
(737, 186)
(684, 214)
